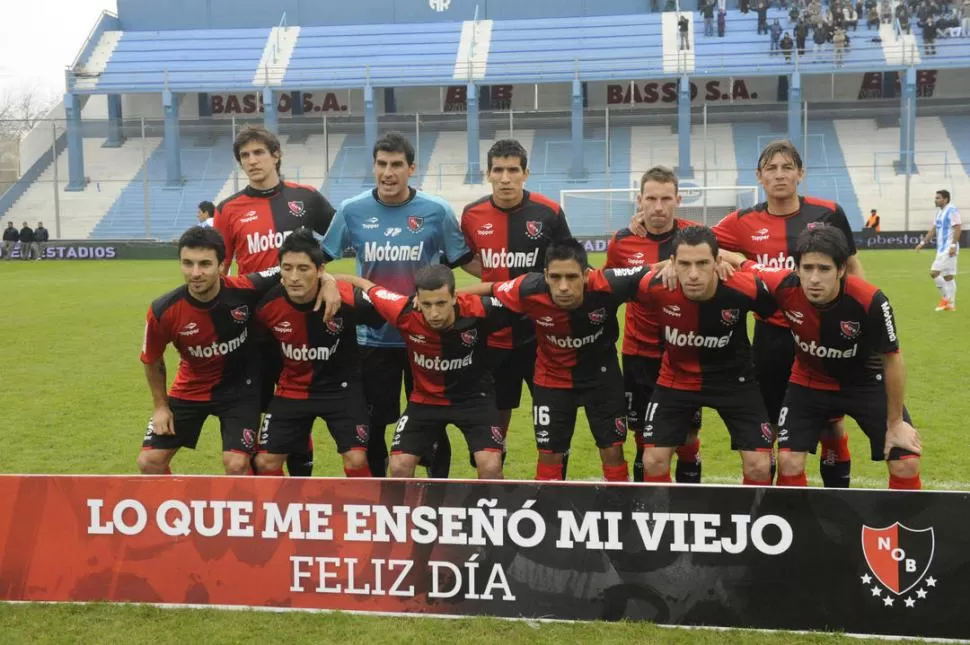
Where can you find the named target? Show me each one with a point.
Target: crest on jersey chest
(240, 314)
(469, 337)
(597, 316)
(730, 316)
(335, 326)
(850, 329)
(415, 223)
(297, 209)
(533, 229)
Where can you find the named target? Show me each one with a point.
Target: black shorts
(289, 422)
(774, 355)
(669, 415)
(383, 370)
(510, 368)
(554, 414)
(807, 412)
(270, 359)
(422, 425)
(238, 423)
(639, 378)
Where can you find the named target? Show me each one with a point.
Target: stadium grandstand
(596, 95)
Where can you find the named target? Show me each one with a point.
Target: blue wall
(141, 15)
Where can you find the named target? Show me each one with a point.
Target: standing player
(321, 363)
(254, 222)
(642, 344)
(207, 210)
(707, 358)
(509, 232)
(394, 231)
(208, 321)
(847, 361)
(447, 337)
(946, 229)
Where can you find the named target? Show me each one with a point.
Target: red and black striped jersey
(512, 242)
(575, 347)
(770, 239)
(448, 366)
(706, 343)
(318, 357)
(839, 345)
(641, 335)
(254, 222)
(210, 336)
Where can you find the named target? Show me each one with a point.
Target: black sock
(638, 465)
(687, 472)
(835, 474)
(377, 452)
(300, 464)
(565, 462)
(774, 467)
(440, 460)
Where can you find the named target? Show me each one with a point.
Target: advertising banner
(860, 561)
(102, 250)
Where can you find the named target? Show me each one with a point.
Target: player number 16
(540, 415)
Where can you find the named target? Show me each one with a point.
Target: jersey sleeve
(261, 281)
(153, 345)
(220, 222)
(497, 316)
(560, 228)
(337, 237)
(764, 303)
(955, 218)
(769, 276)
(726, 232)
(455, 248)
(466, 233)
(841, 222)
(389, 305)
(612, 254)
(882, 321)
(320, 213)
(622, 283)
(509, 293)
(365, 313)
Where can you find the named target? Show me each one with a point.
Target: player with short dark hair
(707, 357)
(847, 360)
(321, 368)
(658, 200)
(446, 336)
(208, 321)
(394, 230)
(207, 210)
(254, 222)
(509, 231)
(946, 229)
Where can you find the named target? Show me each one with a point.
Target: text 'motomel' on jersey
(254, 222)
(392, 242)
(770, 240)
(512, 242)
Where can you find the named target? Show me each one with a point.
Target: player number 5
(540, 415)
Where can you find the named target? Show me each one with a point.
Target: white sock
(951, 291)
(941, 285)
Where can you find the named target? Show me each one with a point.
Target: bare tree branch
(22, 108)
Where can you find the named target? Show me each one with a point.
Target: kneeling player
(707, 358)
(847, 360)
(447, 338)
(321, 363)
(207, 320)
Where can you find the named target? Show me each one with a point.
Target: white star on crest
(876, 591)
(887, 601)
(931, 582)
(910, 602)
(866, 579)
(921, 593)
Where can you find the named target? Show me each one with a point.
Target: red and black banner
(874, 562)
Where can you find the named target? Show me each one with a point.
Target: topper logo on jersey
(469, 338)
(899, 557)
(374, 252)
(304, 353)
(415, 223)
(546, 321)
(504, 259)
(780, 261)
(335, 326)
(887, 316)
(533, 230)
(219, 349)
(438, 364)
(371, 223)
(730, 316)
(796, 317)
(240, 314)
(760, 235)
(849, 328)
(678, 338)
(296, 208)
(283, 328)
(486, 229)
(635, 260)
(820, 351)
(672, 310)
(251, 216)
(597, 316)
(259, 242)
(189, 330)
(417, 338)
(570, 342)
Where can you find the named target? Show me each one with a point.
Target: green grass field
(75, 401)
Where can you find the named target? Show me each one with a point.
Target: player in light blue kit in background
(394, 231)
(946, 229)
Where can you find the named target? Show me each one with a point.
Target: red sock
(358, 472)
(838, 446)
(688, 452)
(755, 482)
(657, 479)
(168, 470)
(272, 473)
(905, 483)
(793, 480)
(616, 473)
(548, 472)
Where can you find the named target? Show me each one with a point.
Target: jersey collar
(525, 199)
(264, 194)
(411, 193)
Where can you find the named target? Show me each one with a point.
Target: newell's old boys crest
(240, 314)
(469, 338)
(335, 325)
(533, 229)
(619, 424)
(362, 433)
(730, 316)
(898, 557)
(497, 436)
(296, 208)
(597, 316)
(248, 437)
(850, 328)
(415, 223)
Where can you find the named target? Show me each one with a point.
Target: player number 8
(540, 415)
(781, 416)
